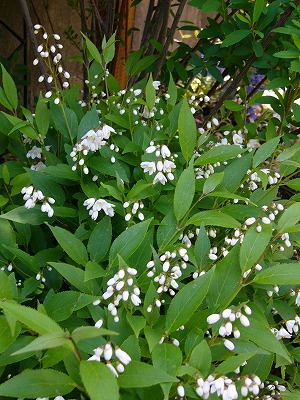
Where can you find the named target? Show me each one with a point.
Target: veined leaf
(213, 218)
(187, 300)
(235, 37)
(282, 274)
(33, 319)
(31, 384)
(99, 381)
(47, 341)
(289, 218)
(184, 192)
(9, 88)
(187, 131)
(219, 154)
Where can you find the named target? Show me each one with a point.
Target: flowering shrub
(144, 257)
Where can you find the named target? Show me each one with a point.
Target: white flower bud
(244, 320)
(180, 391)
(213, 318)
(122, 356)
(265, 220)
(250, 221)
(228, 344)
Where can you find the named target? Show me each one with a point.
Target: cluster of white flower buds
(114, 358)
(33, 196)
(254, 178)
(50, 52)
(137, 206)
(96, 205)
(47, 398)
(8, 268)
(92, 141)
(226, 387)
(229, 316)
(163, 166)
(166, 272)
(206, 170)
(122, 288)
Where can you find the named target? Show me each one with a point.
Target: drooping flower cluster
(166, 272)
(33, 196)
(122, 287)
(163, 166)
(50, 53)
(226, 387)
(254, 179)
(229, 316)
(96, 205)
(114, 358)
(92, 141)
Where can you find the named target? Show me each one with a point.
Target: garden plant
(149, 236)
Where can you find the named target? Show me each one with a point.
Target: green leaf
(109, 49)
(9, 88)
(7, 238)
(99, 381)
(94, 270)
(88, 122)
(213, 218)
(226, 283)
(6, 289)
(235, 37)
(42, 117)
(211, 6)
(23, 215)
(219, 154)
(260, 365)
(100, 239)
(201, 358)
(47, 185)
(93, 50)
(88, 332)
(232, 363)
(296, 111)
(61, 305)
(65, 120)
(187, 300)
(187, 131)
(257, 9)
(282, 274)
(128, 242)
(265, 151)
(184, 192)
(47, 341)
(289, 218)
(233, 105)
(212, 182)
(287, 54)
(137, 323)
(75, 276)
(138, 374)
(265, 339)
(70, 244)
(172, 91)
(253, 246)
(150, 93)
(202, 247)
(4, 100)
(6, 335)
(33, 319)
(278, 82)
(294, 184)
(168, 358)
(31, 384)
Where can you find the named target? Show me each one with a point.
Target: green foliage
(143, 255)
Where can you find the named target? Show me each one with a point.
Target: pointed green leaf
(47, 341)
(212, 182)
(99, 381)
(33, 319)
(100, 239)
(282, 274)
(235, 37)
(201, 358)
(138, 374)
(42, 117)
(253, 246)
(187, 131)
(70, 244)
(265, 151)
(213, 218)
(9, 88)
(128, 242)
(150, 93)
(31, 384)
(187, 300)
(289, 218)
(219, 154)
(234, 362)
(184, 192)
(257, 9)
(32, 216)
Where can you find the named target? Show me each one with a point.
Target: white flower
(99, 323)
(135, 299)
(122, 356)
(149, 166)
(35, 152)
(165, 152)
(244, 320)
(137, 92)
(250, 221)
(156, 84)
(113, 370)
(48, 94)
(108, 351)
(160, 177)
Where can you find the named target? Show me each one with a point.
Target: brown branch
(265, 42)
(170, 37)
(33, 41)
(100, 21)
